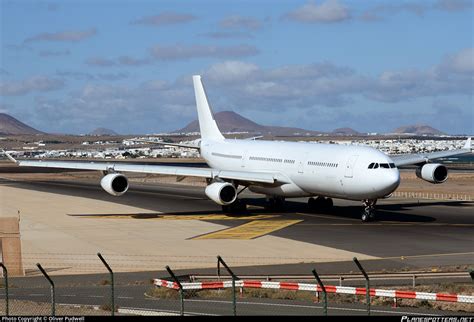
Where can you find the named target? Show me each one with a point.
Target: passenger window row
(323, 164)
(382, 165)
(265, 159)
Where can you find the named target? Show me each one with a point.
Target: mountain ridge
(12, 126)
(229, 121)
(420, 129)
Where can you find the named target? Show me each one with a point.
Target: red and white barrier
(315, 288)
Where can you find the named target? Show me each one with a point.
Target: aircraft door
(349, 173)
(302, 163)
(244, 159)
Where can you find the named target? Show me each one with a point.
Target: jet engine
(115, 184)
(223, 193)
(432, 172)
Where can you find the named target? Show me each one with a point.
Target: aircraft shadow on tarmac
(198, 215)
(385, 212)
(401, 206)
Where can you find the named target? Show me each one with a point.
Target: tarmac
(65, 223)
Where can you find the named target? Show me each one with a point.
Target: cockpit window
(374, 165)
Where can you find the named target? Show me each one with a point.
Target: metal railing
(184, 295)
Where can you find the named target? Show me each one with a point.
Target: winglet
(12, 159)
(467, 146)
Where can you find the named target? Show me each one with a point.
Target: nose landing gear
(368, 213)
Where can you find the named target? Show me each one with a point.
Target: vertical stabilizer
(207, 124)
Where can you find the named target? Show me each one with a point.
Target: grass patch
(108, 307)
(104, 282)
(255, 293)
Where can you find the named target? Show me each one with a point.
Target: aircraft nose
(392, 180)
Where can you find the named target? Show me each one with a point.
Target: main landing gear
(368, 213)
(319, 203)
(237, 206)
(275, 203)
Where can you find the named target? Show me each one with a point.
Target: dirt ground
(30, 308)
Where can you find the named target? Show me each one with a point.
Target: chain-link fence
(43, 293)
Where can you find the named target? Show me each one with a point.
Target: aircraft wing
(408, 159)
(243, 176)
(181, 145)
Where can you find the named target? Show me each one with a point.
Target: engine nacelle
(222, 193)
(115, 183)
(432, 172)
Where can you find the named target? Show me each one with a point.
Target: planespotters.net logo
(437, 319)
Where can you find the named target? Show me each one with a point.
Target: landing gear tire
(368, 213)
(328, 203)
(311, 203)
(320, 203)
(238, 206)
(275, 203)
(365, 217)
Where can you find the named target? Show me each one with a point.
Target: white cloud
(453, 5)
(167, 18)
(31, 84)
(100, 62)
(183, 52)
(326, 12)
(231, 71)
(67, 36)
(54, 53)
(240, 22)
(461, 62)
(418, 8)
(325, 89)
(227, 34)
(131, 61)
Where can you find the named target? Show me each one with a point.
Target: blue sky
(72, 66)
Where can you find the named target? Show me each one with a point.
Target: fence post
(53, 292)
(181, 295)
(234, 278)
(325, 295)
(5, 277)
(367, 283)
(112, 295)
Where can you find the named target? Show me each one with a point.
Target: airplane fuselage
(312, 169)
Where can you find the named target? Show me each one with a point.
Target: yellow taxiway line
(251, 230)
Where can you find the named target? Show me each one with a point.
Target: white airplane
(277, 169)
